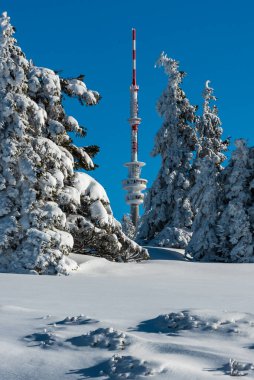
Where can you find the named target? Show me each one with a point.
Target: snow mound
(76, 320)
(102, 338)
(118, 367)
(173, 323)
(127, 367)
(239, 369)
(172, 237)
(235, 368)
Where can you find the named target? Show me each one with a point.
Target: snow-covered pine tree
(206, 171)
(230, 237)
(168, 216)
(46, 209)
(128, 227)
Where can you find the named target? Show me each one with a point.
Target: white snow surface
(88, 186)
(166, 318)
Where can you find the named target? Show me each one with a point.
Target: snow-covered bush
(44, 211)
(168, 215)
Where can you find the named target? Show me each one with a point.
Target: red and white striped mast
(134, 120)
(134, 184)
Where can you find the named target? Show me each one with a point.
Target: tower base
(135, 214)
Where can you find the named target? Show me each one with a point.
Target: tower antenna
(134, 184)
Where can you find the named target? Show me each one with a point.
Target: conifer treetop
(209, 129)
(170, 65)
(6, 30)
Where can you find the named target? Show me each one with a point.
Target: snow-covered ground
(162, 319)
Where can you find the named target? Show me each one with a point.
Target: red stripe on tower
(134, 77)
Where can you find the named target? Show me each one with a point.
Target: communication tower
(134, 184)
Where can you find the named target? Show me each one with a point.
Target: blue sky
(212, 40)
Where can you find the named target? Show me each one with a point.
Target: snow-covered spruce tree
(209, 148)
(209, 130)
(46, 208)
(206, 171)
(168, 216)
(235, 226)
(230, 236)
(128, 227)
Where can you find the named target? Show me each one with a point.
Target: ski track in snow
(128, 333)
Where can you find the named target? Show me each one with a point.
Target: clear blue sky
(212, 40)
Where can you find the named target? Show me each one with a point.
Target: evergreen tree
(229, 236)
(44, 205)
(206, 211)
(128, 227)
(209, 130)
(168, 216)
(206, 171)
(235, 226)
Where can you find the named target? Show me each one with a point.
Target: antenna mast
(134, 184)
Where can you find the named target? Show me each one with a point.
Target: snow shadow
(44, 340)
(89, 373)
(157, 253)
(118, 367)
(225, 369)
(101, 338)
(76, 320)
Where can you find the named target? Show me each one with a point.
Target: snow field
(189, 339)
(160, 319)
